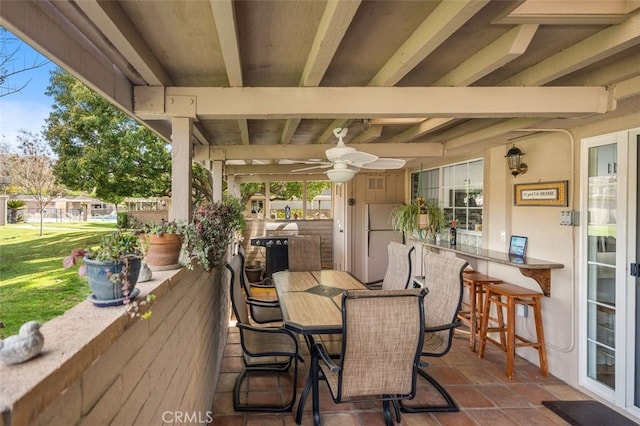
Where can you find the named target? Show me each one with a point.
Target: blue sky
(28, 109)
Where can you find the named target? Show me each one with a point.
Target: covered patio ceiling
(267, 81)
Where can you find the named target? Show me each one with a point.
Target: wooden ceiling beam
(307, 151)
(369, 135)
(599, 46)
(120, 31)
(505, 49)
(563, 12)
(502, 51)
(335, 21)
(225, 19)
(384, 102)
(445, 20)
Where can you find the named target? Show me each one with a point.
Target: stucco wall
(550, 156)
(100, 367)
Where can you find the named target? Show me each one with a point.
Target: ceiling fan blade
(358, 158)
(310, 161)
(385, 164)
(321, 166)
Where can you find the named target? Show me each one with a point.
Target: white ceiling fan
(345, 161)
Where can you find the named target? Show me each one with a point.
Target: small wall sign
(541, 194)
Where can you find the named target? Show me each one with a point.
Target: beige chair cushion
(398, 272)
(304, 253)
(381, 337)
(443, 278)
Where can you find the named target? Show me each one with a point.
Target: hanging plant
(207, 237)
(405, 218)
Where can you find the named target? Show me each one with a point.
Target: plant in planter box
(206, 239)
(112, 270)
(162, 243)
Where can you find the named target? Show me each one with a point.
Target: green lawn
(33, 283)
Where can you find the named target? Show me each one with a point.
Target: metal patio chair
(264, 349)
(376, 363)
(398, 274)
(443, 278)
(262, 311)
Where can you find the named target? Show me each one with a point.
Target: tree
(201, 184)
(31, 170)
(100, 149)
(5, 180)
(12, 63)
(283, 190)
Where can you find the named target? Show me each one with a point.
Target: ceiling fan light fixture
(340, 175)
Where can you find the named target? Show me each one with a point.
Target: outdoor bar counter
(539, 270)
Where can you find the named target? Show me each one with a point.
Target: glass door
(633, 316)
(601, 263)
(609, 352)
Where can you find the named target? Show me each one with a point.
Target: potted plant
(112, 268)
(421, 215)
(162, 243)
(206, 239)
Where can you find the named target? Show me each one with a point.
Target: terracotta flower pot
(163, 252)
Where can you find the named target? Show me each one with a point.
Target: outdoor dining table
(311, 304)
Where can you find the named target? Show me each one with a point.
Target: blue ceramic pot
(98, 273)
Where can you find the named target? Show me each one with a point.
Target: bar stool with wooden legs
(471, 312)
(509, 296)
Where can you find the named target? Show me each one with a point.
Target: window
(286, 199)
(458, 189)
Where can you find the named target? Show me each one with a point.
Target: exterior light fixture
(514, 160)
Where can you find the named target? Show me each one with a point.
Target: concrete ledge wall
(101, 367)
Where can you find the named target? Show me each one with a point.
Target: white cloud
(28, 115)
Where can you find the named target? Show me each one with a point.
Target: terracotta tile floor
(479, 386)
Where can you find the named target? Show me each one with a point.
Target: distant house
(67, 208)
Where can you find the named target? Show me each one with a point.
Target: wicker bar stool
(471, 313)
(509, 296)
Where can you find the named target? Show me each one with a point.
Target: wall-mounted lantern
(514, 160)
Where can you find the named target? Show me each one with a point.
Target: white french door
(609, 298)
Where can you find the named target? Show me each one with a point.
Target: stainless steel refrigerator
(376, 235)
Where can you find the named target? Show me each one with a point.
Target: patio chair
(264, 349)
(264, 283)
(262, 310)
(376, 363)
(398, 275)
(443, 278)
(304, 253)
